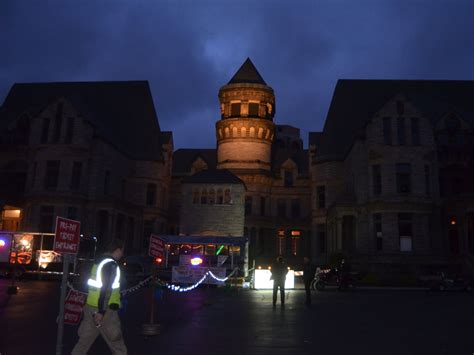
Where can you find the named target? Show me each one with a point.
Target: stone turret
(246, 130)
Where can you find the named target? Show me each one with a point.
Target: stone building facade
(268, 158)
(69, 149)
(377, 167)
(388, 180)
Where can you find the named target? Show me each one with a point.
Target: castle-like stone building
(388, 179)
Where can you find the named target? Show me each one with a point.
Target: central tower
(246, 130)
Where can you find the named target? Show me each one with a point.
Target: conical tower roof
(247, 74)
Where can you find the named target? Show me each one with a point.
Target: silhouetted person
(279, 271)
(308, 276)
(344, 272)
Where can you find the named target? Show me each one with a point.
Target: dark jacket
(308, 272)
(279, 271)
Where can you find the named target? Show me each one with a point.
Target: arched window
(212, 197)
(227, 199)
(204, 197)
(220, 197)
(196, 196)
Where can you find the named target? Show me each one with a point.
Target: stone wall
(225, 219)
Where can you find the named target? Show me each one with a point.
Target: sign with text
(157, 247)
(75, 302)
(67, 236)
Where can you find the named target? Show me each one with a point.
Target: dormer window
(288, 178)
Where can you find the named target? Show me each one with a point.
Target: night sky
(188, 49)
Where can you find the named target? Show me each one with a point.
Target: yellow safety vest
(95, 284)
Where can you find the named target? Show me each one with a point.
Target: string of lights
(123, 292)
(171, 287)
(225, 278)
(189, 288)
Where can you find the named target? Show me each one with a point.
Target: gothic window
(288, 178)
(321, 230)
(196, 196)
(387, 130)
(262, 206)
(427, 181)
(45, 130)
(281, 208)
(220, 197)
(76, 175)
(52, 174)
(321, 196)
(403, 178)
(212, 197)
(72, 212)
(204, 197)
(376, 180)
(46, 219)
(405, 231)
(107, 182)
(281, 242)
(248, 205)
(69, 130)
(295, 208)
(227, 199)
(377, 218)
(33, 177)
(401, 131)
(150, 194)
(58, 123)
(415, 131)
(295, 243)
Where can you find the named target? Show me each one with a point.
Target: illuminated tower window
(295, 242)
(253, 109)
(235, 110)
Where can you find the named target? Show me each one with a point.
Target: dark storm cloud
(187, 50)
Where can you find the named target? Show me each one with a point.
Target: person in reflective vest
(103, 302)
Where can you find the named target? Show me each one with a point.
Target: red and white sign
(75, 302)
(68, 236)
(157, 247)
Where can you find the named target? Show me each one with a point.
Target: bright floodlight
(262, 279)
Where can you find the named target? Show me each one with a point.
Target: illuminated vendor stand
(219, 254)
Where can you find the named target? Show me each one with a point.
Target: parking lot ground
(211, 321)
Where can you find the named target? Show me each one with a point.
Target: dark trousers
(280, 284)
(307, 287)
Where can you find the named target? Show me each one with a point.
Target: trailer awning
(191, 239)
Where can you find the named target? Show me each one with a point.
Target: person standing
(308, 277)
(279, 271)
(102, 305)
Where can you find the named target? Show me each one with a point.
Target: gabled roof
(122, 112)
(215, 176)
(184, 158)
(247, 74)
(355, 102)
(300, 158)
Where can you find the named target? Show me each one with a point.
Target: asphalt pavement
(208, 321)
